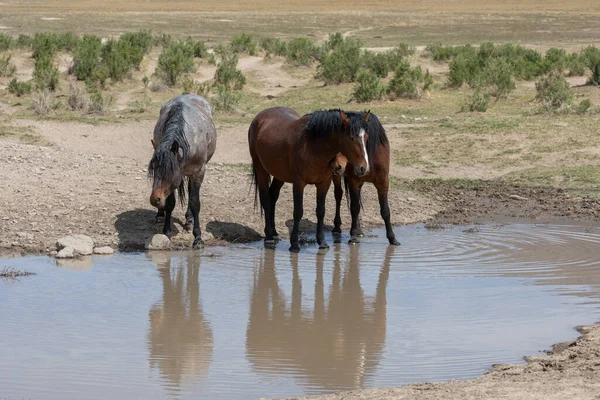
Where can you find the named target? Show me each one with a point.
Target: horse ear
(345, 119)
(153, 144)
(175, 147)
(366, 115)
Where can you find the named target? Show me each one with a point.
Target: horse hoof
(394, 242)
(198, 243)
(270, 241)
(323, 246)
(360, 234)
(276, 237)
(353, 240)
(295, 248)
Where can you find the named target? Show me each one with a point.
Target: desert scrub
(87, 56)
(174, 61)
(368, 87)
(591, 55)
(378, 63)
(7, 68)
(227, 74)
(78, 99)
(407, 82)
(99, 103)
(243, 43)
(554, 93)
(478, 101)
(190, 86)
(273, 46)
(19, 88)
(226, 99)
(43, 102)
(342, 63)
(301, 52)
(45, 74)
(497, 77)
(6, 42)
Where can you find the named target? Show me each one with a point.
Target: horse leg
(160, 215)
(189, 215)
(298, 212)
(354, 189)
(321, 196)
(194, 206)
(338, 193)
(382, 193)
(262, 181)
(359, 231)
(274, 190)
(169, 206)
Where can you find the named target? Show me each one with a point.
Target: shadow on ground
(232, 232)
(136, 227)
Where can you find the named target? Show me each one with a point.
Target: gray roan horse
(184, 141)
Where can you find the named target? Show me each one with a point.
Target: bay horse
(378, 150)
(300, 150)
(184, 140)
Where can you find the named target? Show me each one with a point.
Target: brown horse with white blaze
(378, 151)
(299, 150)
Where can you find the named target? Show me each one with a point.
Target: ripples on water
(252, 322)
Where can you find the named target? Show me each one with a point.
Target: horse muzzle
(157, 201)
(361, 170)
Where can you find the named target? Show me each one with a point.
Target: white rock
(66, 252)
(82, 245)
(158, 242)
(103, 250)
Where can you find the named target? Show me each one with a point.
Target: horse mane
(323, 122)
(164, 161)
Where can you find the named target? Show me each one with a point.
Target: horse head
(354, 141)
(338, 164)
(166, 170)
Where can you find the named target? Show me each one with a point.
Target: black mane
(324, 122)
(164, 161)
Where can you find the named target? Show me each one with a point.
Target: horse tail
(251, 132)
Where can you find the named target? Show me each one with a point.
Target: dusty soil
(570, 371)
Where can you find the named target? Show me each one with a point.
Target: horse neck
(326, 147)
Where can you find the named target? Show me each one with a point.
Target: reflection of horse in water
(180, 340)
(335, 347)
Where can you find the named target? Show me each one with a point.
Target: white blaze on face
(361, 135)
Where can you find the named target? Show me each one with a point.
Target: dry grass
(12, 273)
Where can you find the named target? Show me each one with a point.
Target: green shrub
(44, 45)
(6, 42)
(427, 80)
(43, 102)
(439, 52)
(86, 56)
(576, 65)
(227, 74)
(464, 68)
(140, 106)
(24, 42)
(116, 59)
(45, 74)
(406, 82)
(175, 60)
(243, 43)
(583, 107)
(478, 101)
(554, 92)
(145, 81)
(99, 103)
(198, 47)
(273, 46)
(342, 64)
(67, 41)
(301, 51)
(591, 55)
(19, 88)
(226, 99)
(190, 86)
(100, 75)
(498, 77)
(141, 40)
(162, 40)
(555, 60)
(7, 68)
(368, 87)
(378, 63)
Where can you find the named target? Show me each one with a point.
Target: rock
(105, 250)
(82, 245)
(66, 252)
(158, 242)
(517, 197)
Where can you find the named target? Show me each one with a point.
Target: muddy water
(245, 322)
